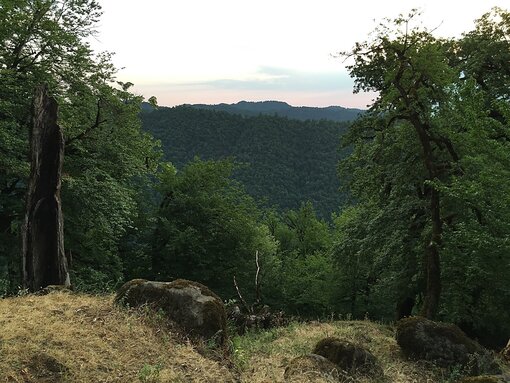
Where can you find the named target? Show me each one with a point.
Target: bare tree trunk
(44, 261)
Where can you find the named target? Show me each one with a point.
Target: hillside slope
(289, 161)
(69, 338)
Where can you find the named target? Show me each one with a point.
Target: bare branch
(257, 282)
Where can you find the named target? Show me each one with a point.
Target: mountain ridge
(280, 108)
(283, 109)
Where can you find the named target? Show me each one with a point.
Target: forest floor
(64, 337)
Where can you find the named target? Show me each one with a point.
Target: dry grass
(68, 338)
(79, 338)
(266, 362)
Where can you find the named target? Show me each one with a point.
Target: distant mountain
(290, 161)
(282, 109)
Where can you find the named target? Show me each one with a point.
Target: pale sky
(213, 51)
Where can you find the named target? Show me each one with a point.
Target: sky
(214, 51)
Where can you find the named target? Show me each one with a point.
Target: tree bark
(432, 258)
(44, 261)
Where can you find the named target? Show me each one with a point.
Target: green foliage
(45, 42)
(91, 280)
(149, 373)
(429, 168)
(300, 277)
(246, 345)
(207, 228)
(289, 161)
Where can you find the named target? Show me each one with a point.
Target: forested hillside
(282, 109)
(285, 161)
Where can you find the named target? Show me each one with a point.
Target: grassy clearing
(64, 338)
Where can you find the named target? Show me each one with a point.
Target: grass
(80, 338)
(265, 355)
(64, 338)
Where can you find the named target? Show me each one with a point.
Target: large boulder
(443, 343)
(192, 306)
(314, 368)
(347, 356)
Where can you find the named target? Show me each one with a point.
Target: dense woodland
(281, 162)
(427, 226)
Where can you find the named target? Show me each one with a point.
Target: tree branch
(257, 282)
(87, 131)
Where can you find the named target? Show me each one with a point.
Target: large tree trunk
(432, 260)
(44, 261)
(432, 256)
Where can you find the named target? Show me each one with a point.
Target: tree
(301, 274)
(423, 145)
(44, 41)
(208, 229)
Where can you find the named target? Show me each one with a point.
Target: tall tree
(45, 41)
(434, 115)
(410, 71)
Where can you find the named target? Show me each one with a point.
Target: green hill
(289, 161)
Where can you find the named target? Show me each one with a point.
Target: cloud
(298, 88)
(280, 79)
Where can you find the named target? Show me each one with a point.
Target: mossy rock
(191, 305)
(444, 344)
(313, 367)
(347, 356)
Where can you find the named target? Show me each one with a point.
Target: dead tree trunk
(44, 261)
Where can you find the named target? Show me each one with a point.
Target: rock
(191, 305)
(347, 356)
(444, 344)
(313, 367)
